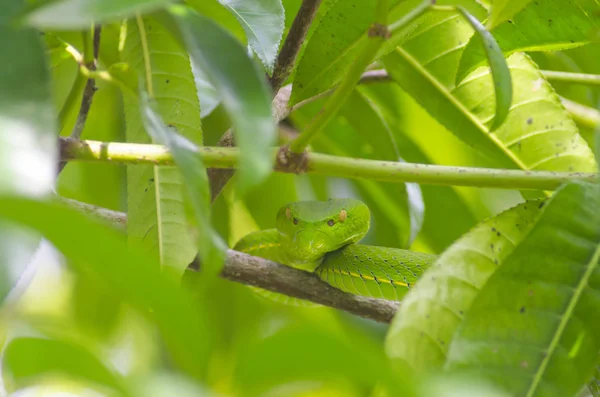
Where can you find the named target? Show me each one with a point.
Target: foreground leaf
(80, 14)
(242, 89)
(28, 155)
(532, 328)
(102, 253)
(156, 195)
(543, 25)
(263, 22)
(421, 331)
(28, 360)
(185, 154)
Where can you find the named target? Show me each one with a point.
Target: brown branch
(289, 51)
(262, 273)
(88, 91)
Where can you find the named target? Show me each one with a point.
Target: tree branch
(293, 42)
(324, 164)
(89, 61)
(262, 273)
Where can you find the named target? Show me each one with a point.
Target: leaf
(422, 329)
(352, 358)
(543, 25)
(503, 10)
(155, 195)
(537, 134)
(331, 48)
(534, 318)
(102, 253)
(185, 154)
(366, 118)
(27, 136)
(207, 95)
(263, 22)
(28, 359)
(242, 89)
(498, 68)
(80, 14)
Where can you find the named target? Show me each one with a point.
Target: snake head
(310, 229)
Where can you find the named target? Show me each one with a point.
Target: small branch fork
(90, 62)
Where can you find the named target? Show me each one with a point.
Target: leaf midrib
(539, 374)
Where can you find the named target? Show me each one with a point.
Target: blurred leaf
(27, 359)
(422, 329)
(185, 155)
(28, 155)
(207, 95)
(168, 384)
(80, 14)
(262, 21)
(312, 354)
(503, 10)
(102, 253)
(543, 25)
(156, 195)
(242, 88)
(498, 69)
(537, 134)
(532, 321)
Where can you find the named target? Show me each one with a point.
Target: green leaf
(27, 360)
(80, 14)
(263, 22)
(532, 329)
(313, 354)
(102, 253)
(207, 95)
(498, 68)
(27, 136)
(503, 10)
(156, 195)
(242, 89)
(537, 134)
(185, 154)
(543, 25)
(332, 48)
(422, 329)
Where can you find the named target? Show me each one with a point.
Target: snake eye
(288, 213)
(330, 222)
(343, 215)
(295, 221)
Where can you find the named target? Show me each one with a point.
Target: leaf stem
(323, 164)
(568, 77)
(583, 115)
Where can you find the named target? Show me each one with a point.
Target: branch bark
(272, 276)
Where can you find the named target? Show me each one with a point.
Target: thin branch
(568, 77)
(293, 42)
(323, 164)
(89, 61)
(262, 273)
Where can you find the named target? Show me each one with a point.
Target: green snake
(322, 237)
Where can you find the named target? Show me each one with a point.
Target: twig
(262, 273)
(324, 164)
(293, 42)
(90, 59)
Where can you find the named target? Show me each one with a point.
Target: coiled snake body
(322, 237)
